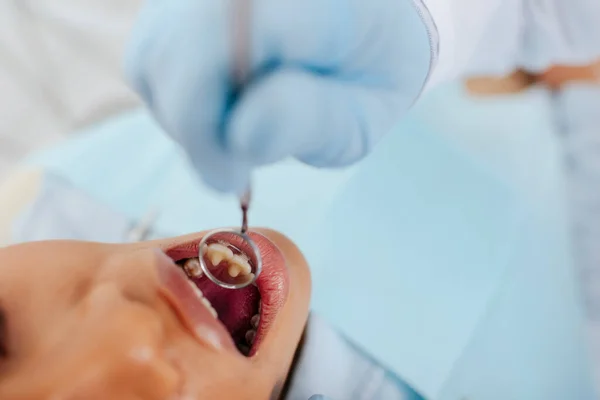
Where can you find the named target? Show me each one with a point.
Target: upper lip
(273, 282)
(177, 291)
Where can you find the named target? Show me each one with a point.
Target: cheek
(116, 349)
(211, 375)
(146, 377)
(241, 387)
(102, 367)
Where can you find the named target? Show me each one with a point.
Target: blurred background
(477, 183)
(60, 69)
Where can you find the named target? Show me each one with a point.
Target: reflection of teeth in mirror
(242, 263)
(238, 264)
(192, 268)
(203, 299)
(217, 252)
(234, 271)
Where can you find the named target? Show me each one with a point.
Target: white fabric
(60, 59)
(333, 367)
(60, 69)
(485, 37)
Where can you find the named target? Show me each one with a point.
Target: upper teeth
(217, 252)
(192, 267)
(203, 299)
(238, 264)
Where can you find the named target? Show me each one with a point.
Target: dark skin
(560, 75)
(87, 321)
(555, 78)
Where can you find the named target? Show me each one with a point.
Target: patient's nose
(134, 273)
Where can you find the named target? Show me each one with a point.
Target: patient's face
(99, 321)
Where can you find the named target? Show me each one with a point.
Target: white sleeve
(461, 27)
(560, 32)
(494, 37)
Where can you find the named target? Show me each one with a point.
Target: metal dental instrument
(238, 242)
(240, 247)
(241, 68)
(245, 205)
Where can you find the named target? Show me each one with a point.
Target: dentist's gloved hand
(328, 79)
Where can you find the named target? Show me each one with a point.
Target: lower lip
(273, 282)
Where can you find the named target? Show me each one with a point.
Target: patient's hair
(3, 334)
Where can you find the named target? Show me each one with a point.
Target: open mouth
(246, 313)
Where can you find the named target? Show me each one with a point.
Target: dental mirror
(230, 258)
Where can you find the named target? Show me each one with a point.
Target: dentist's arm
(328, 77)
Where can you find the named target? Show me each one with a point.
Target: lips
(236, 309)
(175, 288)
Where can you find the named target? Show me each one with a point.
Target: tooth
(217, 252)
(213, 312)
(197, 291)
(234, 271)
(192, 267)
(242, 264)
(209, 306)
(216, 258)
(255, 320)
(250, 336)
(245, 350)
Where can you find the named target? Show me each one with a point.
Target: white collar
(331, 366)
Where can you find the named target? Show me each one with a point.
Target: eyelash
(3, 335)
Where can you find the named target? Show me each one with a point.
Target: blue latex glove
(328, 79)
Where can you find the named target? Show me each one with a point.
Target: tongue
(235, 307)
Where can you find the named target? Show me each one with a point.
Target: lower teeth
(193, 270)
(250, 336)
(244, 349)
